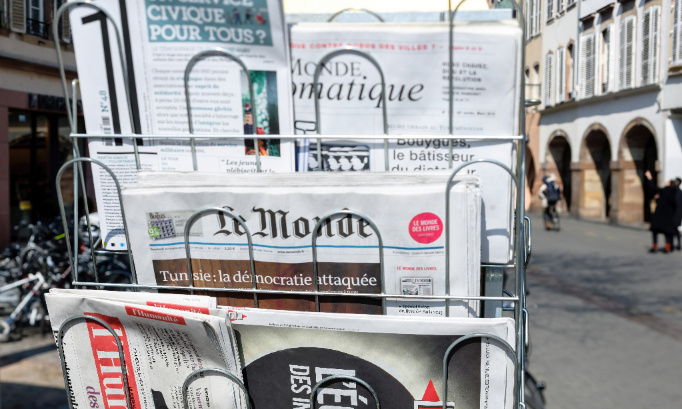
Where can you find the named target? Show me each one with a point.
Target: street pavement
(31, 374)
(606, 325)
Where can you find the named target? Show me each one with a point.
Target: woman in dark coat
(663, 219)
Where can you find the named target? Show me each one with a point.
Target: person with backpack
(550, 194)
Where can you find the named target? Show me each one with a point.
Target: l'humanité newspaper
(159, 339)
(159, 40)
(279, 355)
(392, 239)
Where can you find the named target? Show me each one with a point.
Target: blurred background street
(31, 374)
(606, 325)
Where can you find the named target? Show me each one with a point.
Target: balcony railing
(38, 28)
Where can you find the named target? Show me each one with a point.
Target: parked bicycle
(29, 271)
(30, 307)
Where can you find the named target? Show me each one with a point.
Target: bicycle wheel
(534, 397)
(5, 331)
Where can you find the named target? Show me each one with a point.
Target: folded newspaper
(159, 39)
(414, 60)
(164, 339)
(286, 353)
(281, 213)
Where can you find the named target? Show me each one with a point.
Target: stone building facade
(34, 128)
(610, 111)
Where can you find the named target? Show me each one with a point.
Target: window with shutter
(646, 47)
(17, 16)
(35, 10)
(587, 66)
(590, 65)
(64, 25)
(533, 6)
(531, 18)
(627, 53)
(677, 29)
(548, 80)
(35, 19)
(526, 11)
(569, 72)
(538, 17)
(560, 77)
(655, 42)
(560, 6)
(550, 9)
(650, 44)
(605, 64)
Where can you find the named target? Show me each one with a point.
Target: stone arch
(558, 161)
(595, 175)
(637, 153)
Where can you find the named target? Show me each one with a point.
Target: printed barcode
(106, 125)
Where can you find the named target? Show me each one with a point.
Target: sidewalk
(31, 374)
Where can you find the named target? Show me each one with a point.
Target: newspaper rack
(494, 296)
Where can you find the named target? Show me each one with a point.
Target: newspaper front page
(286, 353)
(159, 40)
(414, 60)
(161, 347)
(281, 212)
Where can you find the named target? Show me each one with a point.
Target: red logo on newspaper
(153, 315)
(108, 363)
(430, 400)
(188, 308)
(426, 228)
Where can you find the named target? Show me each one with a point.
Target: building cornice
(20, 65)
(611, 96)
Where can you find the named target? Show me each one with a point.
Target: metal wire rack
(494, 296)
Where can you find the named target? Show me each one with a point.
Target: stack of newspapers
(160, 39)
(279, 356)
(344, 256)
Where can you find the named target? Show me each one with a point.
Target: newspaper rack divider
(327, 219)
(219, 52)
(119, 346)
(521, 224)
(332, 378)
(235, 217)
(351, 9)
(316, 80)
(228, 375)
(451, 349)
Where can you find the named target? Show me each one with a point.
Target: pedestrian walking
(550, 194)
(663, 219)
